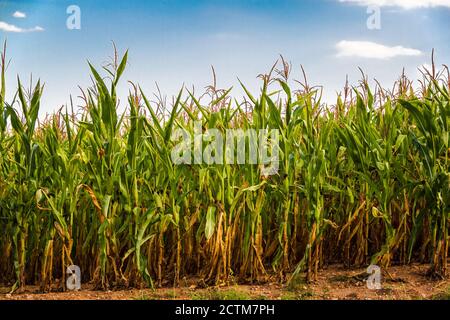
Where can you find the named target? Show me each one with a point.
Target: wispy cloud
(12, 28)
(19, 15)
(372, 50)
(406, 4)
(37, 28)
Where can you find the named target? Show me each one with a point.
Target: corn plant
(364, 181)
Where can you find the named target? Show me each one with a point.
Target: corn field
(364, 181)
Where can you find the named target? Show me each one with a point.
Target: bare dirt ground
(333, 283)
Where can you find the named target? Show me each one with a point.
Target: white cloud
(372, 50)
(12, 28)
(406, 4)
(19, 15)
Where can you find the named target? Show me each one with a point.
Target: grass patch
(146, 297)
(444, 295)
(305, 295)
(301, 293)
(217, 294)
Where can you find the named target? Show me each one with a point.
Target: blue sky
(172, 42)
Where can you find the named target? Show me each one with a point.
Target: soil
(333, 283)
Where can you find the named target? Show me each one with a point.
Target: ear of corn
(366, 182)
